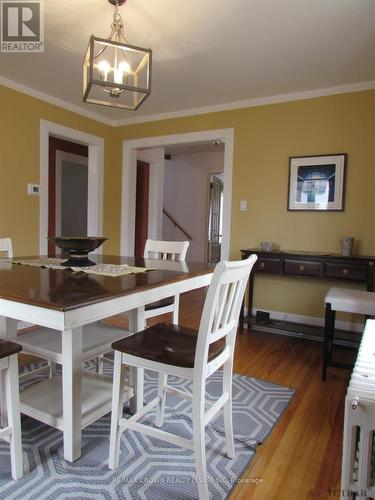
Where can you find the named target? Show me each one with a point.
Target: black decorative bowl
(78, 248)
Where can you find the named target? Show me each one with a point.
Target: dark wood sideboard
(314, 265)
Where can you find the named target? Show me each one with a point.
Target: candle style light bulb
(124, 66)
(104, 68)
(118, 75)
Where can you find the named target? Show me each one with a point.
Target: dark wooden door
(57, 144)
(141, 207)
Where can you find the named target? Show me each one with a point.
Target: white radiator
(358, 459)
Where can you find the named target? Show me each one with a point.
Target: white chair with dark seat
(10, 412)
(174, 350)
(343, 300)
(165, 250)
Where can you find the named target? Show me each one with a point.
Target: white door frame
(95, 178)
(129, 178)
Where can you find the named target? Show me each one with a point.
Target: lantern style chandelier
(116, 73)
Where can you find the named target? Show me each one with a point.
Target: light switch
(243, 206)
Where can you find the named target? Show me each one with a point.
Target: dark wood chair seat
(8, 348)
(160, 303)
(166, 343)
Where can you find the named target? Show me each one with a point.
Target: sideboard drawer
(345, 271)
(303, 268)
(268, 265)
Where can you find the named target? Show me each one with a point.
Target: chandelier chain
(117, 26)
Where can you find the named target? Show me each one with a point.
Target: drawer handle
(262, 266)
(345, 271)
(301, 268)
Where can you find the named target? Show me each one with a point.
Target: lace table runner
(102, 269)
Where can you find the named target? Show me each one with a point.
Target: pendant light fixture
(116, 73)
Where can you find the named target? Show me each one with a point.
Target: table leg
(13, 402)
(250, 299)
(137, 323)
(8, 331)
(72, 388)
(242, 316)
(329, 326)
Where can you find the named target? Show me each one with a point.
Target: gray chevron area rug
(149, 469)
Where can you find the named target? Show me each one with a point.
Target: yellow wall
(264, 138)
(20, 117)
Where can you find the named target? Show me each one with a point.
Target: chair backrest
(222, 307)
(6, 247)
(166, 250)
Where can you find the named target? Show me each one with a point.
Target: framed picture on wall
(317, 182)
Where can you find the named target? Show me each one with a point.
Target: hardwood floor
(301, 459)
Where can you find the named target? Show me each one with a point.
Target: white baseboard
(310, 320)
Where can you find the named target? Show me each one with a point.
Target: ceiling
(207, 52)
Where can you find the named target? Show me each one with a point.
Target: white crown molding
(249, 103)
(55, 101)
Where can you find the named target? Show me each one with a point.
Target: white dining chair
(174, 350)
(10, 429)
(165, 250)
(162, 250)
(6, 247)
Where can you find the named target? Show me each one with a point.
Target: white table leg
(13, 401)
(72, 388)
(8, 331)
(137, 323)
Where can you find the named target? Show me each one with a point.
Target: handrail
(177, 224)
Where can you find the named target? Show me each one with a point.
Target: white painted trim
(55, 101)
(248, 103)
(95, 178)
(129, 174)
(155, 202)
(310, 320)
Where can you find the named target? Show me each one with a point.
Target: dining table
(68, 301)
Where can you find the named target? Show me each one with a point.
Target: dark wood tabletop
(64, 290)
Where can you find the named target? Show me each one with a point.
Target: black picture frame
(317, 182)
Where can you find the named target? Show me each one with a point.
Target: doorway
(187, 174)
(67, 189)
(95, 163)
(129, 176)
